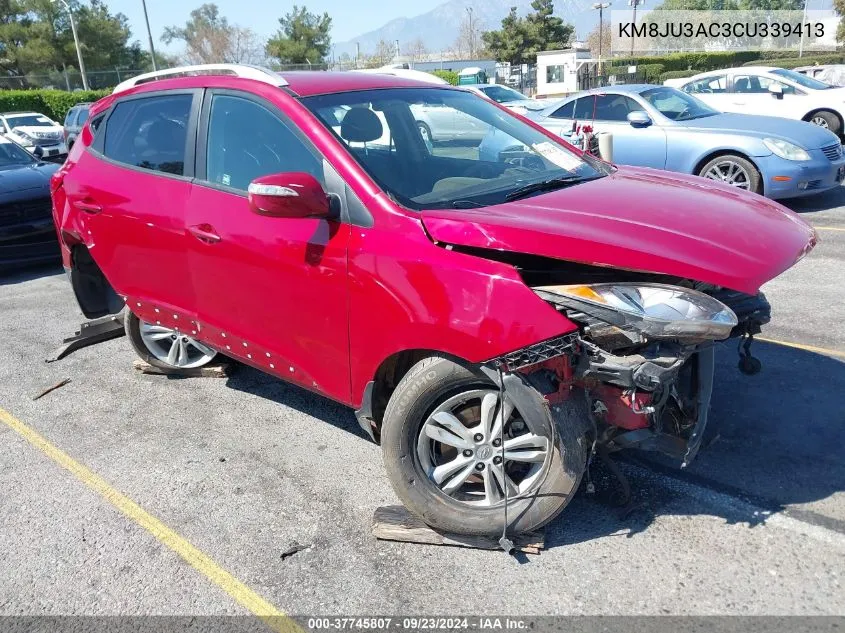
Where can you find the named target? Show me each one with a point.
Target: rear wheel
(442, 451)
(735, 171)
(827, 120)
(164, 347)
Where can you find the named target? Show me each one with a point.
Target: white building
(558, 71)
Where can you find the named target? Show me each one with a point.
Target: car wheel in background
(827, 120)
(164, 347)
(425, 132)
(735, 171)
(442, 451)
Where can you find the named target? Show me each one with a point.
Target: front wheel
(425, 132)
(164, 347)
(442, 451)
(827, 120)
(735, 171)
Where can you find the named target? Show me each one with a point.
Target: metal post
(357, 54)
(76, 42)
(635, 4)
(471, 35)
(803, 23)
(601, 6)
(149, 35)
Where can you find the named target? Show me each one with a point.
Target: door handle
(88, 207)
(204, 233)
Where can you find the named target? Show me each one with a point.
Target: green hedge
(52, 103)
(651, 71)
(676, 74)
(700, 62)
(447, 75)
(795, 62)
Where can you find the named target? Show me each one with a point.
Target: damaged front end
(643, 357)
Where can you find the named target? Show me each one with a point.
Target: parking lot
(132, 494)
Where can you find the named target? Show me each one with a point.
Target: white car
(34, 132)
(508, 97)
(771, 91)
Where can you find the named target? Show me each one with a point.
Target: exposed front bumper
(48, 151)
(804, 177)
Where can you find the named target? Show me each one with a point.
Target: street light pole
(76, 42)
(601, 6)
(149, 35)
(471, 35)
(803, 23)
(635, 4)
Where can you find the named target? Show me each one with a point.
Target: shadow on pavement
(778, 438)
(17, 276)
(824, 201)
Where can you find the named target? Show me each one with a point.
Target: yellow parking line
(828, 228)
(243, 595)
(806, 348)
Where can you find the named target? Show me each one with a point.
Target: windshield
(444, 148)
(801, 80)
(11, 154)
(35, 120)
(501, 94)
(677, 105)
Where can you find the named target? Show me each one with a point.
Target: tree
(384, 54)
(303, 37)
(520, 39)
(467, 44)
(209, 38)
(600, 47)
(417, 50)
(36, 39)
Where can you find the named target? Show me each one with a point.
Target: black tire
(425, 131)
(429, 383)
(831, 121)
(132, 325)
(755, 182)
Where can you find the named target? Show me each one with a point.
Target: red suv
(493, 323)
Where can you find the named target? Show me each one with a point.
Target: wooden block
(218, 370)
(395, 523)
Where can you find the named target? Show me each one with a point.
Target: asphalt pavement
(109, 481)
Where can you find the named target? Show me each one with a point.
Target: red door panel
(272, 291)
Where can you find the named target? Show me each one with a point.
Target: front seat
(361, 125)
(742, 85)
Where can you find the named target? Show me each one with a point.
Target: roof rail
(246, 71)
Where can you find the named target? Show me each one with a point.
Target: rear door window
(150, 133)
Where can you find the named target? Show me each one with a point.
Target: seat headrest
(361, 125)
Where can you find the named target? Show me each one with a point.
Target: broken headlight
(656, 310)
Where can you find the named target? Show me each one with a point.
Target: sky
(349, 17)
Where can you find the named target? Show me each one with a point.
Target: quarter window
(150, 133)
(246, 140)
(708, 85)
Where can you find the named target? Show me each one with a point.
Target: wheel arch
(388, 375)
(836, 113)
(94, 293)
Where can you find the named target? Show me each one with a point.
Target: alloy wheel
(730, 173)
(820, 121)
(173, 347)
(460, 448)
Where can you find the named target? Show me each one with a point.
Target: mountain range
(438, 28)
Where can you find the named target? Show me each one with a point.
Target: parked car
(831, 74)
(773, 91)
(507, 96)
(74, 120)
(32, 130)
(664, 128)
(489, 322)
(27, 232)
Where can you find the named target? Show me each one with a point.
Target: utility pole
(149, 35)
(76, 42)
(396, 48)
(601, 6)
(471, 35)
(357, 53)
(635, 4)
(803, 23)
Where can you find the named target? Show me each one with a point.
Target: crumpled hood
(801, 133)
(643, 220)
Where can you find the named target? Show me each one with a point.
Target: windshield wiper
(548, 185)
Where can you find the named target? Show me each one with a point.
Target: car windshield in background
(421, 145)
(677, 105)
(801, 80)
(12, 155)
(29, 120)
(502, 94)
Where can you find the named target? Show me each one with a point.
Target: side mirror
(639, 118)
(776, 90)
(288, 195)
